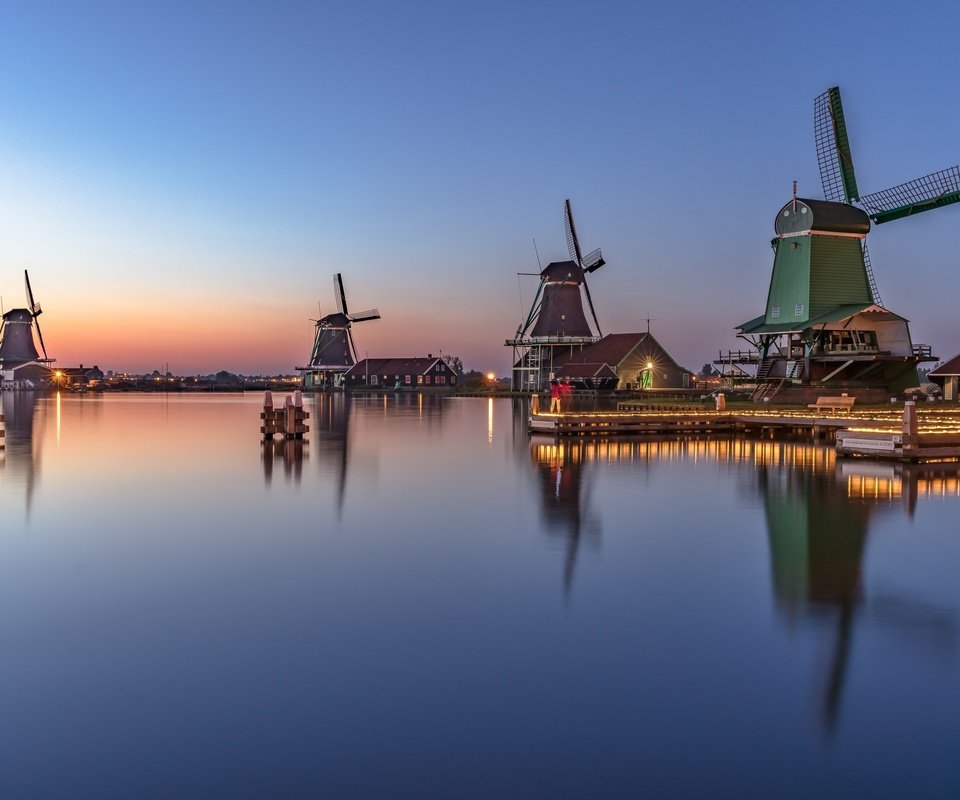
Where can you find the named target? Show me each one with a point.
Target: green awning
(834, 315)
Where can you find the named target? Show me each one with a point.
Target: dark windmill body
(333, 348)
(825, 328)
(556, 325)
(20, 362)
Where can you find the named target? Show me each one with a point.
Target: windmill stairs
(765, 387)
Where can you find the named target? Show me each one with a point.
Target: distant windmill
(16, 333)
(333, 349)
(840, 182)
(556, 320)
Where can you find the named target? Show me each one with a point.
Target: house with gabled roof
(430, 372)
(622, 361)
(947, 377)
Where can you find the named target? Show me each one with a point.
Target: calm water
(422, 601)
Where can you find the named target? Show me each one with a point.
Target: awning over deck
(838, 314)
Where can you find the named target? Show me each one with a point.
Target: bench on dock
(843, 403)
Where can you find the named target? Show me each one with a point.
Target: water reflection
(818, 521)
(565, 482)
(21, 455)
(330, 429)
(289, 452)
(817, 510)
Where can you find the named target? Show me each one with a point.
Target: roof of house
(586, 370)
(613, 349)
(393, 366)
(947, 368)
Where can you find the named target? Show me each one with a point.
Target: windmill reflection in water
(20, 457)
(818, 511)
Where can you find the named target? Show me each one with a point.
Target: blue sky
(182, 182)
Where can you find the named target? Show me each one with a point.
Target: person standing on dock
(554, 397)
(566, 393)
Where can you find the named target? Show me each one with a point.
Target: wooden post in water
(910, 427)
(295, 417)
(269, 416)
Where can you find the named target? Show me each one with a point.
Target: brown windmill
(557, 323)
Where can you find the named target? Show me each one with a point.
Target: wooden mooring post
(289, 421)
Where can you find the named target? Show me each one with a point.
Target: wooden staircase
(767, 389)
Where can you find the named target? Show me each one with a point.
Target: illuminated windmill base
(535, 362)
(332, 355)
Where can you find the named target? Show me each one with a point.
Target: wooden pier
(909, 444)
(881, 433)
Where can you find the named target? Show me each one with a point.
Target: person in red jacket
(554, 397)
(566, 393)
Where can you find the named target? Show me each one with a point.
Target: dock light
(491, 376)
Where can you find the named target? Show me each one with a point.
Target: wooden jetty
(870, 433)
(909, 444)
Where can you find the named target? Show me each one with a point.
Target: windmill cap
(561, 271)
(18, 315)
(820, 215)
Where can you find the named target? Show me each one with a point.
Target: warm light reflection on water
(420, 584)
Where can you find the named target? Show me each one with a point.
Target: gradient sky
(182, 180)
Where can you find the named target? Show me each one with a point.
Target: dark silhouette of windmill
(16, 333)
(20, 456)
(333, 349)
(557, 323)
(565, 482)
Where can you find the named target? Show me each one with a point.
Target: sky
(182, 180)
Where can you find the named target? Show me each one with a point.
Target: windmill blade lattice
(923, 194)
(874, 291)
(339, 294)
(35, 311)
(833, 148)
(573, 244)
(593, 260)
(360, 316)
(586, 290)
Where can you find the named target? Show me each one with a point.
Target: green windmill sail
(824, 323)
(839, 179)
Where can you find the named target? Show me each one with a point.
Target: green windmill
(824, 327)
